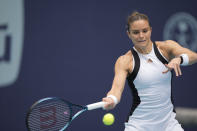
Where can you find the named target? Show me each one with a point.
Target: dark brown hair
(134, 17)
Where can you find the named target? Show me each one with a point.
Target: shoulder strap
(131, 78)
(158, 54)
(133, 75)
(163, 60)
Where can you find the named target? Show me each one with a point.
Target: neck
(145, 50)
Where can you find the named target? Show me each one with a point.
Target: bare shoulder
(166, 44)
(171, 42)
(126, 58)
(163, 46)
(168, 48)
(125, 61)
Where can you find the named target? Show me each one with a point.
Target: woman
(147, 67)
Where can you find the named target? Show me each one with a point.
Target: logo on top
(11, 40)
(182, 27)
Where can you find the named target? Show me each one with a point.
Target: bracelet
(113, 98)
(184, 59)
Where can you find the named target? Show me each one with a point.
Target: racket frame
(71, 117)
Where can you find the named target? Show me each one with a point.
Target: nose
(141, 34)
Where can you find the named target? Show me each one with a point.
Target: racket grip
(96, 105)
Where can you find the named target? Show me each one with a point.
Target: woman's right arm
(121, 71)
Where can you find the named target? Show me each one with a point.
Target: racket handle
(96, 105)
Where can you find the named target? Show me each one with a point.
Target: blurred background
(68, 49)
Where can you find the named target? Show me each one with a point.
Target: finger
(109, 103)
(169, 68)
(165, 71)
(176, 70)
(179, 69)
(104, 99)
(108, 107)
(166, 65)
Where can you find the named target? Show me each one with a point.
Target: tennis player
(147, 67)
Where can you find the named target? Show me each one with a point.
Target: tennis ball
(108, 119)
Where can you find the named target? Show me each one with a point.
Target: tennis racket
(55, 114)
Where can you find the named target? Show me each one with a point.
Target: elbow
(195, 57)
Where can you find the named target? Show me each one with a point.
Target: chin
(142, 44)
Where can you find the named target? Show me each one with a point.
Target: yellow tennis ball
(108, 119)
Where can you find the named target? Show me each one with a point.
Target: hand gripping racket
(55, 114)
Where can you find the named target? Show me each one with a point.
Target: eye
(145, 30)
(135, 32)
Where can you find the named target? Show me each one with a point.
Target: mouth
(141, 41)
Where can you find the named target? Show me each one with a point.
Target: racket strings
(51, 115)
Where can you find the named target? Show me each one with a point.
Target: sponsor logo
(182, 27)
(11, 40)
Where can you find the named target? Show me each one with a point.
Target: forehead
(139, 24)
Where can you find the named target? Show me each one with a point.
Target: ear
(128, 33)
(151, 29)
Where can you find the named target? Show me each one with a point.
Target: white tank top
(153, 89)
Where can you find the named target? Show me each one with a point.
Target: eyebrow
(142, 29)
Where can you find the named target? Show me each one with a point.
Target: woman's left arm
(176, 51)
(179, 56)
